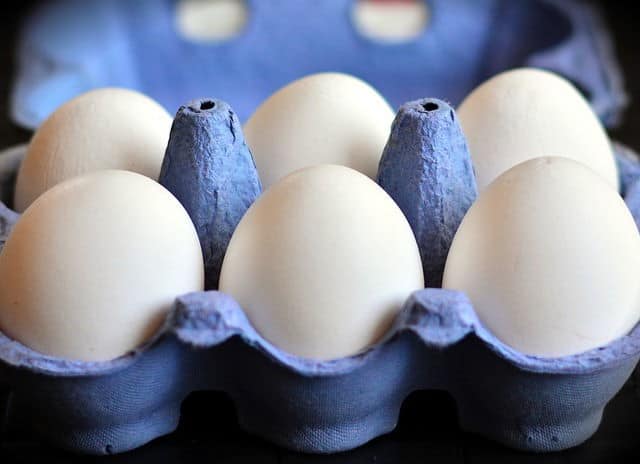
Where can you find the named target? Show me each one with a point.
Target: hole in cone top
(207, 105)
(430, 106)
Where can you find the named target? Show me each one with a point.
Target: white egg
(550, 257)
(92, 267)
(210, 20)
(108, 128)
(327, 118)
(322, 262)
(528, 113)
(390, 22)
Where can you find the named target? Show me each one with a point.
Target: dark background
(427, 431)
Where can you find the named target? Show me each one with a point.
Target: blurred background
(235, 58)
(427, 431)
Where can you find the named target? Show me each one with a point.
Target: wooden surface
(427, 432)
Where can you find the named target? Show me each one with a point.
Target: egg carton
(68, 47)
(437, 342)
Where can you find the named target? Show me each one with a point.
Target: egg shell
(211, 21)
(322, 263)
(326, 118)
(527, 113)
(210, 170)
(92, 267)
(549, 256)
(390, 22)
(109, 128)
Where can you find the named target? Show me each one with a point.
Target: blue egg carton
(437, 342)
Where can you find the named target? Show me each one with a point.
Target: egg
(326, 118)
(549, 255)
(528, 113)
(322, 262)
(107, 128)
(92, 267)
(210, 21)
(390, 22)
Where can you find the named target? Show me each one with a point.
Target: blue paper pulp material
(209, 168)
(7, 219)
(207, 343)
(68, 47)
(426, 168)
(9, 162)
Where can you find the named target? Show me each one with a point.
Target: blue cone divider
(209, 168)
(427, 170)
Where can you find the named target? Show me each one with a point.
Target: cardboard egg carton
(207, 343)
